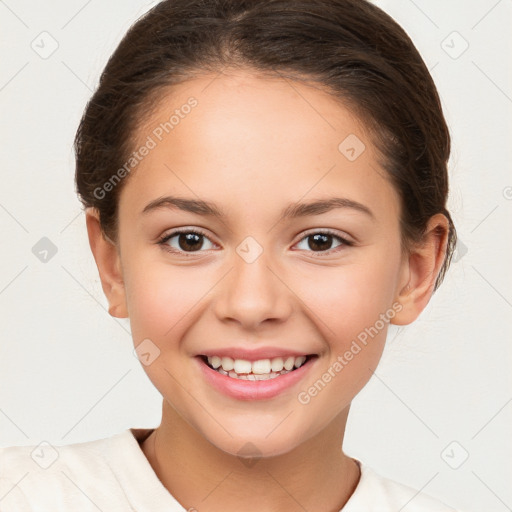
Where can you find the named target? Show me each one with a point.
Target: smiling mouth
(262, 369)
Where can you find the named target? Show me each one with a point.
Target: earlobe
(421, 268)
(106, 256)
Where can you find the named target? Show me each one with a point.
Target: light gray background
(67, 370)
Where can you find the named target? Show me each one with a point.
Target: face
(254, 276)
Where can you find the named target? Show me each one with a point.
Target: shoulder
(36, 477)
(376, 493)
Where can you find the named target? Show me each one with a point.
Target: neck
(315, 475)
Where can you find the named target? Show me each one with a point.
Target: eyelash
(165, 238)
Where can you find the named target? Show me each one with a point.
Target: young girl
(265, 184)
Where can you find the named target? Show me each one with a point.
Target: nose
(253, 294)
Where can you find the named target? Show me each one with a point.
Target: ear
(420, 270)
(106, 255)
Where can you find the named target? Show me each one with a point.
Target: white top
(114, 475)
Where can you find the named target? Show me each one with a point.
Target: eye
(321, 241)
(184, 241)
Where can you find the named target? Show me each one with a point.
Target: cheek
(162, 302)
(353, 317)
(160, 296)
(353, 305)
(351, 298)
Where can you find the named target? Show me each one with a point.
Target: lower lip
(254, 389)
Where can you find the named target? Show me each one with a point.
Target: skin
(254, 146)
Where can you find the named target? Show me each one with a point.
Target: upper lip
(254, 354)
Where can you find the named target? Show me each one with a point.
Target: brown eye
(322, 242)
(185, 241)
(190, 241)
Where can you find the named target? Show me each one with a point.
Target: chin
(254, 444)
(251, 450)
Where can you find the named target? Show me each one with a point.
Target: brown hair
(351, 48)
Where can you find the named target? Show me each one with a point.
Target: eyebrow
(296, 210)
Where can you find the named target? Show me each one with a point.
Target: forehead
(236, 107)
(264, 138)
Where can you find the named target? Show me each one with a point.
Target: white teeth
(215, 361)
(251, 376)
(261, 369)
(277, 364)
(227, 364)
(233, 375)
(242, 366)
(299, 361)
(289, 363)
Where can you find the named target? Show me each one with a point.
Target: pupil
(322, 242)
(192, 240)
